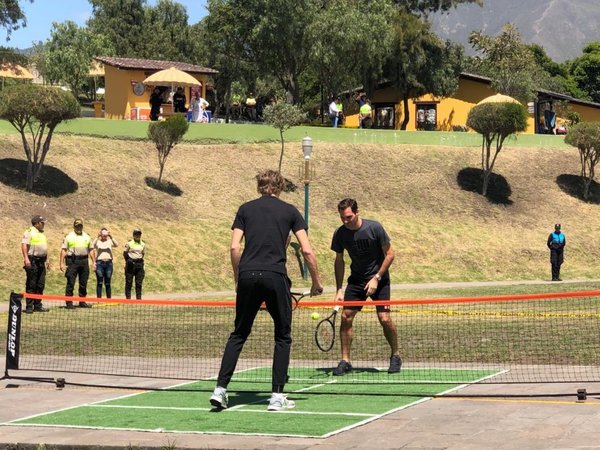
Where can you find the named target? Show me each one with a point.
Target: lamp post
(307, 147)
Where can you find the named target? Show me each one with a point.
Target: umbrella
(9, 70)
(499, 98)
(171, 77)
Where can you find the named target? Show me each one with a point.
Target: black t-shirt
(364, 247)
(266, 223)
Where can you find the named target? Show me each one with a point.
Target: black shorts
(357, 292)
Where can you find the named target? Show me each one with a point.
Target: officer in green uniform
(34, 247)
(76, 248)
(134, 264)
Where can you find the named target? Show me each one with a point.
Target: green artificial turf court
(322, 409)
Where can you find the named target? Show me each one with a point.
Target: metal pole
(306, 206)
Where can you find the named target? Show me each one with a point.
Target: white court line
(370, 417)
(260, 411)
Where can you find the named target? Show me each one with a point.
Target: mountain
(562, 27)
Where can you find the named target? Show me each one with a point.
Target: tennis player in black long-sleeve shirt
(260, 275)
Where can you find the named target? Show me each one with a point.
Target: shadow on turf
(164, 186)
(246, 398)
(498, 192)
(53, 182)
(573, 185)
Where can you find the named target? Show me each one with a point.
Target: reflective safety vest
(136, 249)
(75, 240)
(37, 237)
(365, 110)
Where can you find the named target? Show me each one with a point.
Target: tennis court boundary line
(369, 417)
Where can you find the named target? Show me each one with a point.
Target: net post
(13, 333)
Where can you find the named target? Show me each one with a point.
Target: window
(385, 116)
(426, 116)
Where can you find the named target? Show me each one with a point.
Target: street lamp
(307, 147)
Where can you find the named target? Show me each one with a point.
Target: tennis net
(535, 338)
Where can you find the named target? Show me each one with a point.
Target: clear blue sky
(41, 13)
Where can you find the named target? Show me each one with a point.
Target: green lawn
(258, 133)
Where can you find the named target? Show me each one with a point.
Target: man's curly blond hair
(269, 182)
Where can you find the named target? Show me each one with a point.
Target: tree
(420, 63)
(165, 136)
(122, 22)
(430, 6)
(586, 137)
(34, 110)
(226, 31)
(11, 16)
(280, 42)
(167, 34)
(283, 116)
(495, 122)
(585, 70)
(508, 61)
(69, 54)
(340, 55)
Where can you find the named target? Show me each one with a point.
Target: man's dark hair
(348, 203)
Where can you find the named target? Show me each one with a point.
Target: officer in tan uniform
(34, 247)
(76, 248)
(134, 264)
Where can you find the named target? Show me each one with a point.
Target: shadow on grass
(289, 186)
(498, 192)
(52, 182)
(164, 186)
(573, 185)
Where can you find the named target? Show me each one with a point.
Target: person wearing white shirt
(334, 112)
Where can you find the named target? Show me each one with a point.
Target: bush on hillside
(495, 122)
(35, 110)
(165, 136)
(586, 137)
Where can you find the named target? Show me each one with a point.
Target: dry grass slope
(440, 232)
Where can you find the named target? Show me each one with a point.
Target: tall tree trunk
(282, 147)
(406, 117)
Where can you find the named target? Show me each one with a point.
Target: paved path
(546, 422)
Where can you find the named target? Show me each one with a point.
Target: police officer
(364, 115)
(134, 264)
(556, 243)
(76, 248)
(34, 247)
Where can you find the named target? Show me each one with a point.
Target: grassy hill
(440, 231)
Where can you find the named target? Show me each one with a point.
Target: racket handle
(336, 308)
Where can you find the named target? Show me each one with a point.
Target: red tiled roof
(152, 64)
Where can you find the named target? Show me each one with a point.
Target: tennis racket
(325, 331)
(296, 297)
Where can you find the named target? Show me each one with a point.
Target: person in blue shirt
(556, 243)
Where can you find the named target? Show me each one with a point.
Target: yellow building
(126, 96)
(447, 114)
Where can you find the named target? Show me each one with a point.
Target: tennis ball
(315, 316)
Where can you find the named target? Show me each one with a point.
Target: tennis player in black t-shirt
(371, 253)
(260, 275)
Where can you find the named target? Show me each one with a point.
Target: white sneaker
(219, 399)
(280, 402)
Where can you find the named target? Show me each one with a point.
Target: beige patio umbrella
(9, 70)
(171, 77)
(499, 98)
